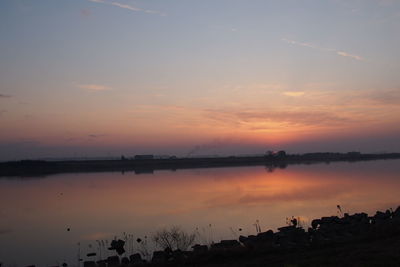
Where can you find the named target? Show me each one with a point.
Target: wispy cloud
(128, 7)
(96, 135)
(344, 54)
(384, 97)
(312, 46)
(4, 96)
(293, 93)
(94, 87)
(267, 119)
(5, 231)
(385, 3)
(301, 44)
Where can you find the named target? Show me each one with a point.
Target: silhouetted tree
(173, 239)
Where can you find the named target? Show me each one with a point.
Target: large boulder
(261, 241)
(125, 261)
(396, 213)
(226, 244)
(89, 264)
(101, 263)
(177, 256)
(113, 261)
(159, 257)
(198, 249)
(118, 246)
(265, 236)
(315, 223)
(135, 258)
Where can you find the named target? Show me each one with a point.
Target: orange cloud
(294, 93)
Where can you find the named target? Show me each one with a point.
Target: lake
(49, 220)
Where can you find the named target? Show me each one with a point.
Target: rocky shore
(348, 240)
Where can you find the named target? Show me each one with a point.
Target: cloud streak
(96, 135)
(263, 118)
(344, 54)
(5, 231)
(301, 44)
(312, 46)
(128, 7)
(94, 87)
(4, 96)
(384, 97)
(293, 93)
(125, 6)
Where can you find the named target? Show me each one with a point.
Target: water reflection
(36, 213)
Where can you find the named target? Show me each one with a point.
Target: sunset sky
(111, 77)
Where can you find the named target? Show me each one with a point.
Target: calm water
(36, 212)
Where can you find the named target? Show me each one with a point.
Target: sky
(85, 78)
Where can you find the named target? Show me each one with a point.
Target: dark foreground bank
(148, 164)
(349, 240)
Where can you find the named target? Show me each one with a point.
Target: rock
(264, 240)
(135, 258)
(249, 242)
(199, 248)
(396, 213)
(265, 236)
(242, 239)
(118, 246)
(168, 251)
(329, 220)
(177, 256)
(89, 264)
(159, 257)
(286, 228)
(226, 244)
(113, 261)
(230, 243)
(124, 261)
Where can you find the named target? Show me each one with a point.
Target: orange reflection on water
(100, 206)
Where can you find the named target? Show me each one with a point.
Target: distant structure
(276, 154)
(144, 157)
(354, 153)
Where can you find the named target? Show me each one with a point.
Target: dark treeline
(148, 163)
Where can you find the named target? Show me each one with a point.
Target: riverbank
(26, 168)
(345, 240)
(349, 240)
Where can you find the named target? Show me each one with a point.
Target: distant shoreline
(147, 164)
